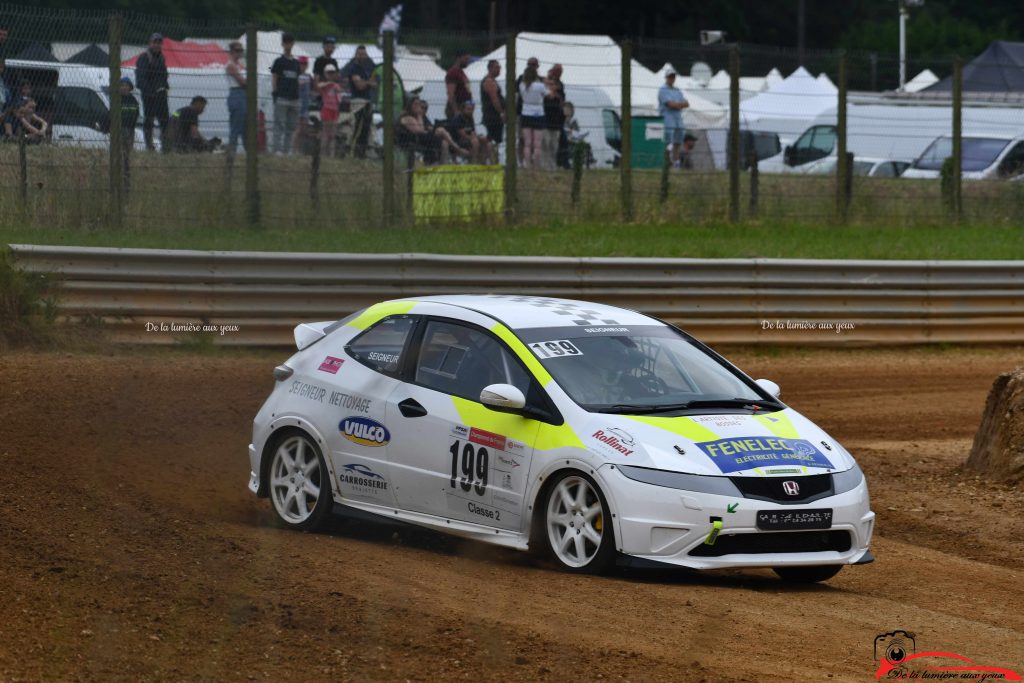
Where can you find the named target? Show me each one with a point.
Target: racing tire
(299, 483)
(808, 574)
(577, 524)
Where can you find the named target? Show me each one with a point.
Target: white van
(72, 98)
(984, 156)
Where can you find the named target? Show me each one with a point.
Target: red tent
(189, 55)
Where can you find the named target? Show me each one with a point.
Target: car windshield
(643, 369)
(978, 153)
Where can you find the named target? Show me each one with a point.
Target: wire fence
(227, 125)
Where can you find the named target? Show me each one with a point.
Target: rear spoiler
(308, 334)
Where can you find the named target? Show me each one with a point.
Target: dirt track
(130, 547)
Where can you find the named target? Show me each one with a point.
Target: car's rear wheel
(300, 488)
(578, 524)
(808, 574)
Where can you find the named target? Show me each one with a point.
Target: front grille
(776, 542)
(812, 488)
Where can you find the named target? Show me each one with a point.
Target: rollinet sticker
(364, 431)
(732, 455)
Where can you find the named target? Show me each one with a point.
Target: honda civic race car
(591, 433)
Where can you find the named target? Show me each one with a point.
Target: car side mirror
(504, 398)
(771, 387)
(787, 155)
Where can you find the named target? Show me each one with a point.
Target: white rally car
(589, 432)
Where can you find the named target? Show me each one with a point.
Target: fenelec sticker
(744, 453)
(331, 365)
(558, 348)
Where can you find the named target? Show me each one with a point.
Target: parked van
(981, 157)
(893, 132)
(72, 98)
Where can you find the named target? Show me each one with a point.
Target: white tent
(921, 81)
(825, 80)
(773, 78)
(789, 107)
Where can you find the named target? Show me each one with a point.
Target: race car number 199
(555, 349)
(474, 467)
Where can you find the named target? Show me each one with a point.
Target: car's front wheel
(808, 574)
(300, 488)
(578, 524)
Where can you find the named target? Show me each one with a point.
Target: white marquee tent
(790, 106)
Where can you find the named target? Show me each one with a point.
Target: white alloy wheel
(579, 533)
(297, 479)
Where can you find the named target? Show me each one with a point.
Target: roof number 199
(559, 348)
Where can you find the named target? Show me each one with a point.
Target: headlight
(848, 480)
(719, 486)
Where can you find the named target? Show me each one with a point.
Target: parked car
(982, 157)
(871, 168)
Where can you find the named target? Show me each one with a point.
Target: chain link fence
(226, 125)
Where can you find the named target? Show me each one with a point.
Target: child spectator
(330, 95)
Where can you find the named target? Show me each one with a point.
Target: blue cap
(127, 80)
(330, 39)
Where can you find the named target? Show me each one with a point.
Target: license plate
(780, 520)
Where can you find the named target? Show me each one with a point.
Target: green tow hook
(716, 528)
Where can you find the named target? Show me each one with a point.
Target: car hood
(718, 444)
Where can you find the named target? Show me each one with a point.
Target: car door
(352, 385)
(450, 455)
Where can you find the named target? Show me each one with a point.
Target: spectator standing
(462, 129)
(151, 79)
(285, 89)
(129, 115)
(235, 73)
(321, 62)
(183, 133)
(531, 63)
(492, 103)
(305, 88)
(457, 83)
(531, 123)
(671, 104)
(554, 117)
(358, 78)
(330, 94)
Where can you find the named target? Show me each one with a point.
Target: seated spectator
(416, 132)
(462, 129)
(22, 121)
(183, 132)
(686, 160)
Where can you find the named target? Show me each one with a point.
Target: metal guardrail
(266, 294)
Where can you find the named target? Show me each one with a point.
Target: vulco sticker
(364, 431)
(732, 455)
(331, 365)
(616, 439)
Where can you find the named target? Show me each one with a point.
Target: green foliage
(27, 306)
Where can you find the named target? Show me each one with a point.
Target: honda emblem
(791, 488)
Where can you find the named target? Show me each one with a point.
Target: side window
(380, 347)
(461, 361)
(824, 139)
(78, 107)
(885, 170)
(1013, 162)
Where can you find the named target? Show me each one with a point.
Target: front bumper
(670, 526)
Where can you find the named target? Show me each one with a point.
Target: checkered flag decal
(583, 316)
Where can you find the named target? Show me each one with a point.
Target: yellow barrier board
(458, 192)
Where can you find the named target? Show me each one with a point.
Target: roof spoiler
(308, 334)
